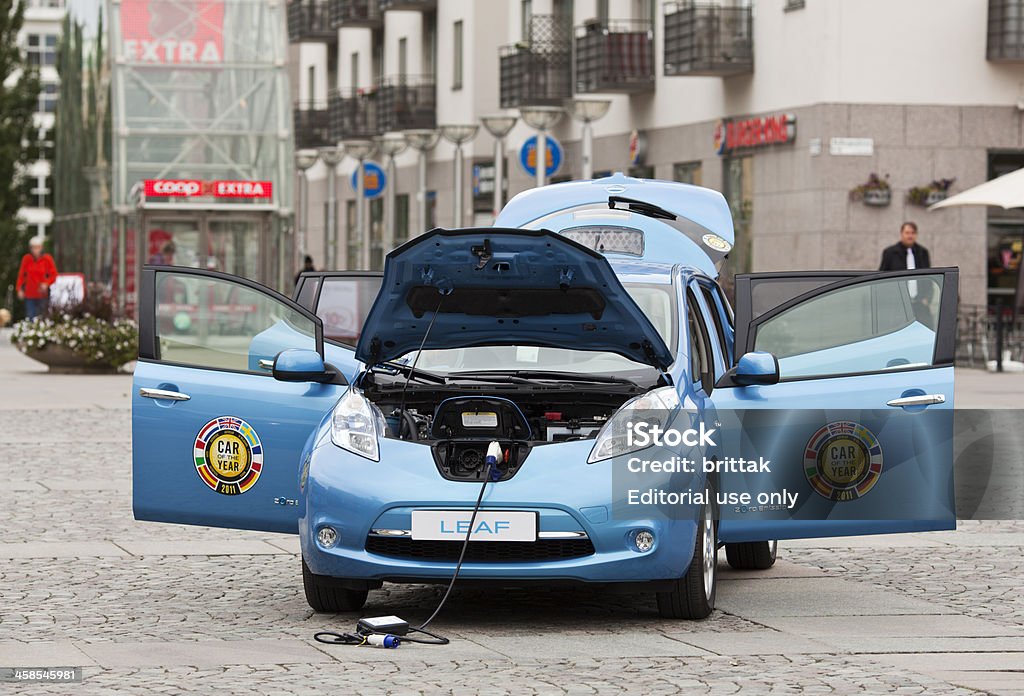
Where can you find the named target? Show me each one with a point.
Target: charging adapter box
(382, 624)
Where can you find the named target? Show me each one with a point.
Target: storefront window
(688, 173)
(1005, 238)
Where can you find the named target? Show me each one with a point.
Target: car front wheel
(327, 596)
(693, 595)
(752, 555)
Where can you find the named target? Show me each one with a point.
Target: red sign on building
(748, 133)
(172, 32)
(190, 188)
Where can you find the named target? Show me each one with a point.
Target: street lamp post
(304, 159)
(542, 119)
(331, 156)
(499, 126)
(390, 144)
(360, 150)
(421, 140)
(457, 135)
(587, 111)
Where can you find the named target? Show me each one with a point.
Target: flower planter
(934, 197)
(878, 198)
(63, 361)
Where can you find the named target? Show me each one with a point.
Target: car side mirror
(300, 365)
(757, 368)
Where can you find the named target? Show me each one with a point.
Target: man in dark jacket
(907, 254)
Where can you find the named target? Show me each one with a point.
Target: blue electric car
(361, 414)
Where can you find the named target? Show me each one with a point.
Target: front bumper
(573, 500)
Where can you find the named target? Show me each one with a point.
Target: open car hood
(493, 286)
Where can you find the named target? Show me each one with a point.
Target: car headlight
(656, 407)
(356, 423)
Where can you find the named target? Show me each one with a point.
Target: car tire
(326, 596)
(752, 555)
(693, 595)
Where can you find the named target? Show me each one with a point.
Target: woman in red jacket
(36, 275)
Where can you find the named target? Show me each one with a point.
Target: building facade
(202, 135)
(787, 106)
(38, 38)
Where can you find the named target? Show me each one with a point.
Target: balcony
(615, 56)
(1005, 31)
(355, 13)
(406, 102)
(308, 21)
(312, 125)
(351, 115)
(538, 72)
(413, 5)
(708, 39)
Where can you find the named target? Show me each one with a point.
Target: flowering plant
(89, 330)
(874, 183)
(923, 195)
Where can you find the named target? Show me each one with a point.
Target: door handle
(919, 400)
(266, 364)
(163, 394)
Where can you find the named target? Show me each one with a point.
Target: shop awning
(1005, 192)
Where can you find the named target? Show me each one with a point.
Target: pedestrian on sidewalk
(906, 254)
(35, 276)
(307, 267)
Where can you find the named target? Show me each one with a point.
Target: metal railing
(538, 72)
(616, 56)
(708, 39)
(308, 20)
(987, 333)
(1005, 30)
(405, 102)
(355, 13)
(312, 124)
(352, 115)
(421, 5)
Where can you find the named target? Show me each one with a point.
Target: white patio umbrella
(1005, 192)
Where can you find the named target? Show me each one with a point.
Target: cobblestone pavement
(146, 608)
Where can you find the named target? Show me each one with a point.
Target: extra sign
(749, 133)
(189, 188)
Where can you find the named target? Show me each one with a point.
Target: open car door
(843, 382)
(216, 438)
(341, 299)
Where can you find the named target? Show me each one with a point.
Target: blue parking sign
(374, 179)
(528, 155)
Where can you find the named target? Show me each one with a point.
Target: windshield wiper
(641, 207)
(533, 375)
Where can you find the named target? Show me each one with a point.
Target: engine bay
(459, 421)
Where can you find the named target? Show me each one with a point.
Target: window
(457, 57)
(719, 320)
(401, 218)
(41, 49)
(403, 58)
(602, 12)
(218, 324)
(354, 72)
(47, 98)
(311, 86)
(700, 354)
(865, 327)
(343, 305)
(688, 173)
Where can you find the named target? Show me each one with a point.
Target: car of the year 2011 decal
(228, 455)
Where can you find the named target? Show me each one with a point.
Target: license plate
(490, 525)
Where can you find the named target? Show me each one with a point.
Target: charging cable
(387, 640)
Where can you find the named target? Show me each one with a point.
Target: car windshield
(657, 301)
